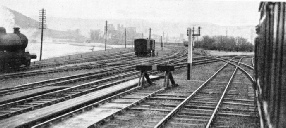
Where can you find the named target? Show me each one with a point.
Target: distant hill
(79, 29)
(29, 27)
(142, 26)
(23, 21)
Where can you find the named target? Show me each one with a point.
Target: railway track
(218, 106)
(24, 104)
(166, 104)
(68, 60)
(71, 67)
(113, 68)
(87, 108)
(202, 106)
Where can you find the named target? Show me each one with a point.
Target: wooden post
(42, 27)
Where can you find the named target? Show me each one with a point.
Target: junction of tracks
(102, 90)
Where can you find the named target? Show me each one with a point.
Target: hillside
(142, 26)
(79, 29)
(28, 26)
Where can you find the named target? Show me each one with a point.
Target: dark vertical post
(188, 71)
(42, 27)
(42, 34)
(125, 37)
(161, 43)
(105, 35)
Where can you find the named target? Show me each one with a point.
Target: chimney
(16, 30)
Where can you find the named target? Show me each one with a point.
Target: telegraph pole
(42, 21)
(105, 35)
(191, 34)
(125, 37)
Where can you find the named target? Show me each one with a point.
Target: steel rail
(246, 65)
(70, 114)
(82, 109)
(32, 85)
(221, 98)
(60, 92)
(241, 69)
(95, 64)
(60, 95)
(180, 106)
(252, 61)
(45, 64)
(56, 80)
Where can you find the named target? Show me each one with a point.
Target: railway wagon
(144, 47)
(270, 64)
(12, 50)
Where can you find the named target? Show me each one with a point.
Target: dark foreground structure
(270, 64)
(12, 50)
(144, 47)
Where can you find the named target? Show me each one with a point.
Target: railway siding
(60, 107)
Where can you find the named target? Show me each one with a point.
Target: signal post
(191, 34)
(190, 53)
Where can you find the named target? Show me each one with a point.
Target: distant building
(110, 27)
(120, 28)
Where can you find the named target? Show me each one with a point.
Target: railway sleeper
(236, 114)
(204, 98)
(180, 119)
(244, 111)
(166, 98)
(238, 103)
(134, 96)
(195, 111)
(184, 125)
(202, 102)
(199, 107)
(172, 95)
(240, 100)
(195, 114)
(161, 104)
(150, 109)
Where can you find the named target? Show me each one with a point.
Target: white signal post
(191, 34)
(190, 53)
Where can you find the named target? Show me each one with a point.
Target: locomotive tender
(12, 50)
(144, 47)
(270, 64)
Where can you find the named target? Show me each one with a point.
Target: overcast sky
(229, 12)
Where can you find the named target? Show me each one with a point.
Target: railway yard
(101, 89)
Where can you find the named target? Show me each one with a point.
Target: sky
(228, 13)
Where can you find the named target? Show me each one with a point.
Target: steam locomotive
(12, 50)
(144, 47)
